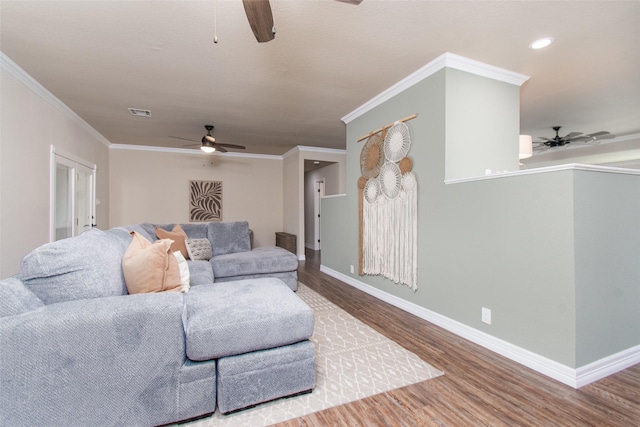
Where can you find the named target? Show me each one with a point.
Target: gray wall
(505, 243)
(607, 247)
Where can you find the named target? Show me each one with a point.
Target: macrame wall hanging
(388, 206)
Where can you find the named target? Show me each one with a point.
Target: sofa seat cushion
(226, 319)
(257, 261)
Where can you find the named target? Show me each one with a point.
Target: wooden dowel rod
(370, 134)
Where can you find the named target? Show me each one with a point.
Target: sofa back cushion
(195, 231)
(15, 298)
(228, 237)
(85, 266)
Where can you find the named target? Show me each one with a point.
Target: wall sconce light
(526, 147)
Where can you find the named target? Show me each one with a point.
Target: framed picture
(205, 201)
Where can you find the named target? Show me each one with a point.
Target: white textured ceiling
(328, 58)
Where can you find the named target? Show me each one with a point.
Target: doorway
(72, 201)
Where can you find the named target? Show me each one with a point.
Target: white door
(318, 194)
(72, 196)
(84, 205)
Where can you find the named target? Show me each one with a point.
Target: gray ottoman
(258, 329)
(252, 378)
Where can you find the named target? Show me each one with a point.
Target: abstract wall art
(205, 201)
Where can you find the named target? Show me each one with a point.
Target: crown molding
(307, 149)
(32, 84)
(446, 60)
(192, 151)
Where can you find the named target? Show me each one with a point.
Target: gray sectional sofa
(77, 349)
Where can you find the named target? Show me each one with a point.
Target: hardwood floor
(479, 388)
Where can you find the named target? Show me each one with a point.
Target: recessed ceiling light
(541, 43)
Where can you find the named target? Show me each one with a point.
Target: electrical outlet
(486, 315)
(351, 269)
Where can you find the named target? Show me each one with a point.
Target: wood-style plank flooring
(479, 387)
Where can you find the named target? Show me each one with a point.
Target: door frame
(318, 194)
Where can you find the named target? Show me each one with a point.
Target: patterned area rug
(353, 361)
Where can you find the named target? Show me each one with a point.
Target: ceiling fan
(261, 19)
(209, 144)
(561, 141)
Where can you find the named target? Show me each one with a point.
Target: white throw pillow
(183, 267)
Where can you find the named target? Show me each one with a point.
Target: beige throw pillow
(178, 236)
(150, 267)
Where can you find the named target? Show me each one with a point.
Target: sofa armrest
(91, 361)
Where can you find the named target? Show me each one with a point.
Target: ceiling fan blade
(192, 145)
(607, 136)
(239, 147)
(599, 134)
(354, 2)
(221, 149)
(572, 135)
(186, 139)
(260, 18)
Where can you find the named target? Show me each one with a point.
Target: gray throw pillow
(199, 249)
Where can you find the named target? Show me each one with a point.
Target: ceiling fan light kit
(207, 148)
(208, 143)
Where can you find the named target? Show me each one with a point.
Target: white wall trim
(32, 84)
(575, 378)
(191, 151)
(556, 168)
(302, 257)
(308, 149)
(447, 59)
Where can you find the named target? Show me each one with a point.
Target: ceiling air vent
(139, 112)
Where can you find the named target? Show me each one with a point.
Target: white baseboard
(302, 257)
(575, 378)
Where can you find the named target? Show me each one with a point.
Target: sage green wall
(504, 243)
(607, 212)
(482, 125)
